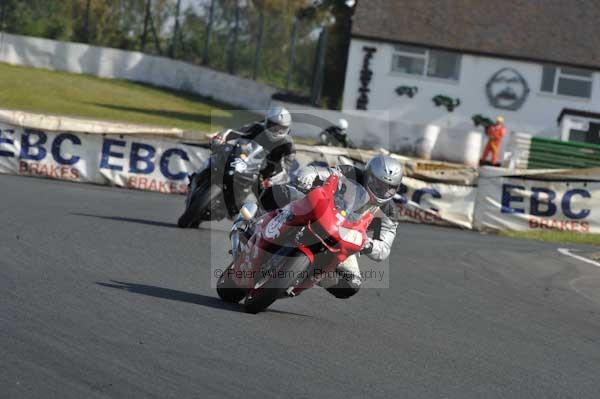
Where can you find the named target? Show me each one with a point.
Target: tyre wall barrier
(384, 129)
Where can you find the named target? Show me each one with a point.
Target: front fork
(240, 233)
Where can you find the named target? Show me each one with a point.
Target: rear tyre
(227, 289)
(291, 273)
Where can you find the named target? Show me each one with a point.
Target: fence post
(155, 36)
(86, 22)
(319, 69)
(209, 26)
(292, 53)
(233, 50)
(175, 30)
(259, 43)
(146, 20)
(2, 14)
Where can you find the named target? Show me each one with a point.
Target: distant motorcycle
(290, 249)
(227, 178)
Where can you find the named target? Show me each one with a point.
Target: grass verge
(560, 237)
(43, 91)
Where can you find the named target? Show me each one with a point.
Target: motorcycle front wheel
(227, 289)
(290, 274)
(199, 203)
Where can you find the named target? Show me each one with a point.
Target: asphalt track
(101, 296)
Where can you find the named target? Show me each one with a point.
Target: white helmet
(277, 123)
(342, 124)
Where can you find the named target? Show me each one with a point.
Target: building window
(567, 81)
(424, 62)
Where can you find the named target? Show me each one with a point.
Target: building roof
(560, 31)
(577, 112)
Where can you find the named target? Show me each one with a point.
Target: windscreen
(351, 199)
(248, 156)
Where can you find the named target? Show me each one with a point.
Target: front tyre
(290, 274)
(227, 289)
(198, 205)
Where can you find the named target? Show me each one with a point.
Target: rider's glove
(305, 181)
(217, 140)
(266, 183)
(367, 248)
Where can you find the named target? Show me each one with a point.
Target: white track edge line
(566, 251)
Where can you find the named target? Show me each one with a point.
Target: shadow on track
(129, 220)
(182, 296)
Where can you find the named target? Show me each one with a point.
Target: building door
(593, 134)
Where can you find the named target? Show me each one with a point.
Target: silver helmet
(277, 123)
(383, 176)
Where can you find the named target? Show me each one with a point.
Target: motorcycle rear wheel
(293, 267)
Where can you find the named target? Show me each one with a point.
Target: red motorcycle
(290, 249)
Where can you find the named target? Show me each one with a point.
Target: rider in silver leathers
(381, 177)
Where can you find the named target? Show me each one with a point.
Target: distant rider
(381, 177)
(273, 134)
(337, 135)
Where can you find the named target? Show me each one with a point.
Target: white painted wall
(456, 133)
(537, 115)
(135, 66)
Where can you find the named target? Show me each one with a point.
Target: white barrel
(424, 147)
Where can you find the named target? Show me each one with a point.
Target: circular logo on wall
(507, 89)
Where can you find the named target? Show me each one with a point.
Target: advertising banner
(142, 163)
(154, 164)
(436, 203)
(538, 200)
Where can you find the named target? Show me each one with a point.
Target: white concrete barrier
(56, 123)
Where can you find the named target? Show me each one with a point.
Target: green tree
(237, 27)
(338, 44)
(44, 18)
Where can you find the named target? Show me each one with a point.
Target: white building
(527, 61)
